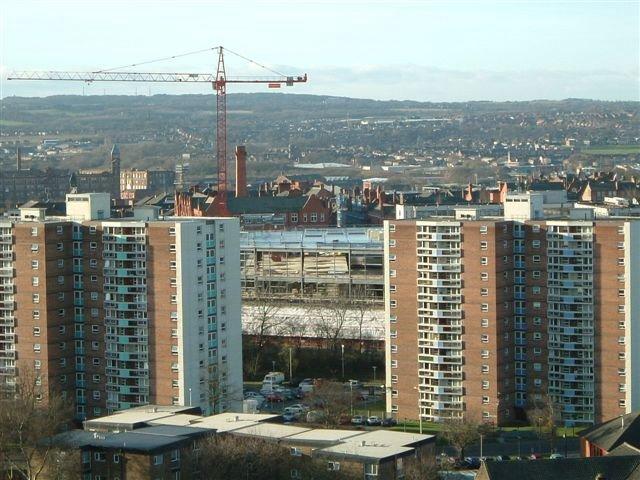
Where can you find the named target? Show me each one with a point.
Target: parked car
(357, 420)
(355, 384)
(500, 458)
(374, 421)
(535, 456)
(472, 462)
(293, 410)
(314, 416)
(555, 456)
(300, 406)
(275, 397)
(289, 417)
(254, 395)
(306, 381)
(389, 422)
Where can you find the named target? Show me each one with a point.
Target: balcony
(6, 272)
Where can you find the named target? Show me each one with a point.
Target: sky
(402, 50)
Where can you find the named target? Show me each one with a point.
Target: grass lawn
(612, 150)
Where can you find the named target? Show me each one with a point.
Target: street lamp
(189, 396)
(273, 365)
(374, 372)
(342, 358)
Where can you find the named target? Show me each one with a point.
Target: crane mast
(219, 83)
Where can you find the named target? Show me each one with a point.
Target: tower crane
(218, 81)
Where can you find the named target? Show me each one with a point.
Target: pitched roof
(614, 468)
(624, 450)
(615, 432)
(247, 205)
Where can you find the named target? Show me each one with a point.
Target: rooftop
(322, 435)
(274, 431)
(614, 468)
(313, 238)
(608, 435)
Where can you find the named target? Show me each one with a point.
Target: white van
(273, 377)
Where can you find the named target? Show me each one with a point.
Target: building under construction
(313, 264)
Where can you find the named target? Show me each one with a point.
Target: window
(37, 364)
(394, 363)
(35, 247)
(535, 243)
(484, 245)
(392, 288)
(536, 274)
(484, 307)
(484, 322)
(314, 217)
(34, 264)
(393, 334)
(172, 247)
(536, 259)
(295, 452)
(536, 290)
(295, 474)
(621, 340)
(484, 353)
(537, 336)
(99, 456)
(370, 470)
(484, 261)
(484, 292)
(96, 361)
(96, 378)
(484, 276)
(35, 281)
(537, 367)
(60, 279)
(116, 458)
(485, 384)
(485, 369)
(394, 378)
(34, 231)
(537, 320)
(36, 331)
(393, 319)
(485, 400)
(537, 382)
(93, 246)
(96, 394)
(174, 350)
(483, 229)
(61, 263)
(93, 263)
(36, 314)
(621, 292)
(36, 347)
(393, 303)
(484, 338)
(35, 298)
(62, 329)
(621, 262)
(175, 456)
(158, 459)
(392, 242)
(333, 466)
(394, 348)
(535, 228)
(60, 246)
(293, 217)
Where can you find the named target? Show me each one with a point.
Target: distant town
(379, 290)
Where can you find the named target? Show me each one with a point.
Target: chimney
(241, 171)
(18, 159)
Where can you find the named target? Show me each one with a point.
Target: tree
(462, 432)
(225, 457)
(29, 418)
(331, 322)
(266, 320)
(421, 468)
(333, 400)
(545, 414)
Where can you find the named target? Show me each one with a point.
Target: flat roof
(228, 422)
(386, 437)
(357, 451)
(270, 430)
(126, 419)
(180, 419)
(322, 435)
